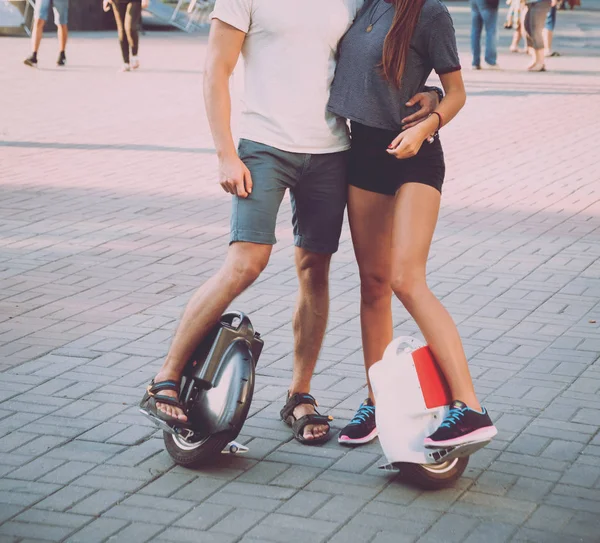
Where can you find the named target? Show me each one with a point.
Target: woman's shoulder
(432, 9)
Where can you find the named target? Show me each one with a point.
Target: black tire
(434, 476)
(194, 455)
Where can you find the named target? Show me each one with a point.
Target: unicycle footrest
(449, 453)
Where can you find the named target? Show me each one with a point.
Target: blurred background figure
(61, 16)
(484, 14)
(514, 20)
(128, 14)
(548, 32)
(536, 12)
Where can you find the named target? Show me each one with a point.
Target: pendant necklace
(373, 22)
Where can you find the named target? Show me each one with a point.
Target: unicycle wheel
(434, 476)
(193, 454)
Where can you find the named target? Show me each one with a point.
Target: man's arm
(224, 48)
(429, 99)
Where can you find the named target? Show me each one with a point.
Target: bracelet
(441, 121)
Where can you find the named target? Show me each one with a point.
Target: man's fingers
(239, 188)
(415, 99)
(248, 181)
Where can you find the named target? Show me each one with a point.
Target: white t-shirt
(289, 55)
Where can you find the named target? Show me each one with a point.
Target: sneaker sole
(360, 441)
(481, 435)
(30, 64)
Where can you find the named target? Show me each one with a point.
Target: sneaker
(462, 425)
(126, 67)
(135, 63)
(475, 67)
(492, 66)
(361, 429)
(31, 61)
(62, 59)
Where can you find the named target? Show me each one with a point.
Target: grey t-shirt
(361, 93)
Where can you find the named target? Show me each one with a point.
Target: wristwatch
(437, 90)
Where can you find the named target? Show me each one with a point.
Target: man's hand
(234, 177)
(428, 102)
(106, 5)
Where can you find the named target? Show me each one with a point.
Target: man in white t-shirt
(288, 141)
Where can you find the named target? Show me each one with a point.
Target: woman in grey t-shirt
(396, 176)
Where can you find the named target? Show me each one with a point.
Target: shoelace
(363, 413)
(453, 417)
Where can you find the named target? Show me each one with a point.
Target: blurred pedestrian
(535, 17)
(548, 32)
(517, 11)
(128, 14)
(61, 16)
(484, 14)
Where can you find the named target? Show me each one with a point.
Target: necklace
(373, 13)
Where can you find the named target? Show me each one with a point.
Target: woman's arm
(408, 143)
(224, 48)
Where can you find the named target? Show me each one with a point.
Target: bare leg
(417, 208)
(371, 217)
(310, 323)
(63, 34)
(244, 263)
(36, 36)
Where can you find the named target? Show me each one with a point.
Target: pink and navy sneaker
(361, 429)
(462, 426)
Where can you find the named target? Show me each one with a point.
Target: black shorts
(372, 168)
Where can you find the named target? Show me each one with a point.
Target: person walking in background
(548, 32)
(484, 14)
(517, 8)
(535, 17)
(128, 14)
(61, 16)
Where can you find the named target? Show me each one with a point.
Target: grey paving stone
(92, 452)
(52, 518)
(65, 498)
(238, 522)
(494, 508)
(67, 472)
(168, 484)
(36, 469)
(450, 528)
(98, 502)
(263, 473)
(339, 509)
(183, 535)
(99, 530)
(138, 532)
(550, 518)
(35, 531)
(204, 516)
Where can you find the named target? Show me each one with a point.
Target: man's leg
(36, 36)
(318, 203)
(42, 10)
(244, 263)
(63, 34)
(310, 323)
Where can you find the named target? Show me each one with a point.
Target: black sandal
(298, 425)
(151, 398)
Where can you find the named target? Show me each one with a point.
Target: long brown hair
(397, 41)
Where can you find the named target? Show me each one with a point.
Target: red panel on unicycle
(436, 391)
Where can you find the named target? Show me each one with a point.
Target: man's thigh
(253, 219)
(61, 11)
(319, 201)
(42, 9)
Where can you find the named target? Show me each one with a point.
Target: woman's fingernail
(390, 146)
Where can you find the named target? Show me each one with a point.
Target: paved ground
(110, 217)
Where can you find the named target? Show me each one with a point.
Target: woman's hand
(408, 142)
(145, 3)
(106, 5)
(234, 177)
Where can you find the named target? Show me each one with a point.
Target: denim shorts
(61, 10)
(318, 191)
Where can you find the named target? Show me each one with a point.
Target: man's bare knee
(313, 268)
(245, 262)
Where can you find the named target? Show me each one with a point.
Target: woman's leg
(132, 21)
(120, 11)
(371, 218)
(416, 214)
